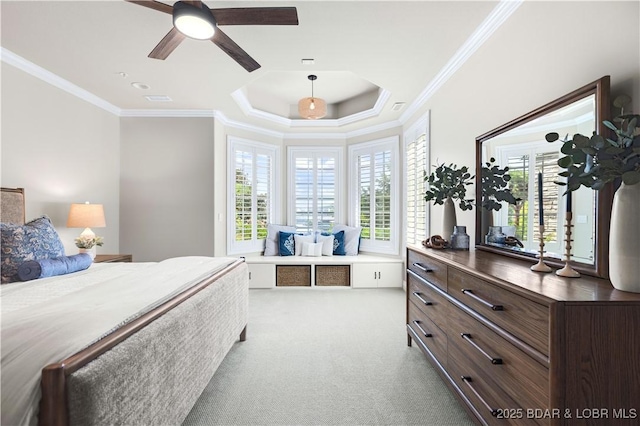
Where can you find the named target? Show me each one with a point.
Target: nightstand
(110, 258)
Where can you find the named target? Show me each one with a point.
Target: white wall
(167, 187)
(62, 150)
(542, 52)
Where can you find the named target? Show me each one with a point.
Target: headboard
(12, 206)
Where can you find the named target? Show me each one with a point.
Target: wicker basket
(293, 275)
(333, 275)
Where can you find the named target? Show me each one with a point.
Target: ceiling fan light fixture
(312, 108)
(194, 22)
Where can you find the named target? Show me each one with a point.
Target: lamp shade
(86, 216)
(312, 108)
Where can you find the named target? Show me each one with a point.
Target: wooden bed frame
(55, 383)
(54, 406)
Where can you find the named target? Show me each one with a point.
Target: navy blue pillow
(338, 244)
(287, 244)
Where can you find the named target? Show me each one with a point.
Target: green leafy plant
(85, 242)
(595, 161)
(494, 182)
(449, 182)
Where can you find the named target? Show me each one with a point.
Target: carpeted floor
(326, 357)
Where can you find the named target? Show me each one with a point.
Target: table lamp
(86, 216)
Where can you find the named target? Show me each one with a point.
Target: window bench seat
(361, 271)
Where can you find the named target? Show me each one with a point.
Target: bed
(148, 367)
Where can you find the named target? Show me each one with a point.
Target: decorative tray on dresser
(522, 347)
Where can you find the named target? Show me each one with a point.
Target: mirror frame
(600, 268)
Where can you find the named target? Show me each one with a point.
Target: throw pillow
(33, 269)
(338, 244)
(327, 244)
(299, 239)
(351, 238)
(34, 240)
(271, 244)
(311, 249)
(287, 244)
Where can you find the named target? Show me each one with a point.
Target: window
(415, 163)
(252, 194)
(314, 188)
(525, 161)
(374, 188)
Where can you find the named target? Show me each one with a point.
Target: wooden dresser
(520, 347)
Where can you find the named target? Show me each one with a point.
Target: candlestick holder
(541, 266)
(567, 270)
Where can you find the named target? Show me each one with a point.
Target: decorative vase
(495, 235)
(460, 238)
(448, 218)
(90, 251)
(486, 221)
(624, 239)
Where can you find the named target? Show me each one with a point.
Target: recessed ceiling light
(140, 86)
(397, 106)
(158, 98)
(308, 61)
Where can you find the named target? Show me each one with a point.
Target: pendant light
(312, 108)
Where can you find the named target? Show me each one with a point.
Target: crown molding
(219, 115)
(374, 129)
(30, 68)
(243, 102)
(496, 18)
(167, 113)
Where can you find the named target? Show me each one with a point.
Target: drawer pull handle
(426, 302)
(422, 267)
(481, 300)
(467, 380)
(417, 324)
(467, 337)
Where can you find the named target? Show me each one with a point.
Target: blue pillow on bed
(287, 244)
(33, 269)
(34, 240)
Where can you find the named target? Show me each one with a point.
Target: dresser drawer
(428, 333)
(430, 269)
(493, 403)
(499, 362)
(525, 319)
(428, 300)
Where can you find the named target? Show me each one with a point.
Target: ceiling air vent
(158, 98)
(397, 106)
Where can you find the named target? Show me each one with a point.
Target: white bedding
(47, 320)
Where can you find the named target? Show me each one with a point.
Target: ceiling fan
(193, 19)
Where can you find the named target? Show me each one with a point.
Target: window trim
(336, 151)
(233, 144)
(421, 126)
(392, 246)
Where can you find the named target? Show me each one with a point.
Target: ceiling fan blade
(155, 5)
(167, 45)
(256, 16)
(232, 49)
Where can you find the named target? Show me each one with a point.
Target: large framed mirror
(520, 144)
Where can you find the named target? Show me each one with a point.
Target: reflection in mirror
(512, 228)
(526, 153)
